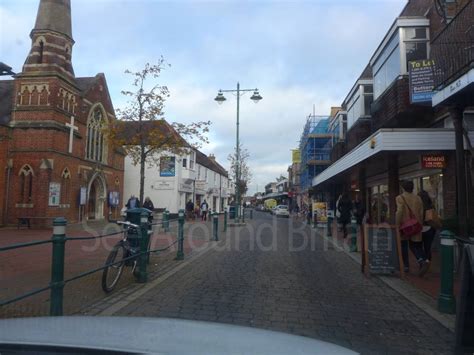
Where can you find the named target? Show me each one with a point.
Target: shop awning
(398, 139)
(455, 87)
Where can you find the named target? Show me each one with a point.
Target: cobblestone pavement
(287, 282)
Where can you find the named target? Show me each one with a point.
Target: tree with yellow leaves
(141, 129)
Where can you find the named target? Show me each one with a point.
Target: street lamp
(220, 98)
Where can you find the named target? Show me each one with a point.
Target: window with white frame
(205, 174)
(405, 45)
(185, 163)
(359, 104)
(199, 172)
(191, 160)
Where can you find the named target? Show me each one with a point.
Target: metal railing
(59, 240)
(453, 48)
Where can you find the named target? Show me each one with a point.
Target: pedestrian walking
(133, 202)
(345, 208)
(409, 220)
(148, 204)
(190, 210)
(431, 222)
(204, 209)
(309, 215)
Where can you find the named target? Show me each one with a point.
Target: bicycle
(122, 250)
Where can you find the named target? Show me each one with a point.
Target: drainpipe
(7, 196)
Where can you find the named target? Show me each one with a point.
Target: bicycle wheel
(112, 273)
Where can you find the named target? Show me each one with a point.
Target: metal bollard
(166, 219)
(57, 266)
(251, 213)
(446, 300)
(330, 223)
(142, 260)
(243, 215)
(180, 254)
(215, 222)
(225, 221)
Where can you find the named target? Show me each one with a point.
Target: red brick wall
(33, 145)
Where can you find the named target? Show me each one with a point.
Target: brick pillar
(393, 184)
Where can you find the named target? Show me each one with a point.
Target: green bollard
(225, 221)
(166, 217)
(251, 213)
(215, 222)
(57, 266)
(446, 300)
(330, 223)
(243, 215)
(142, 260)
(180, 254)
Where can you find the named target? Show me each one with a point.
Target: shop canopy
(390, 140)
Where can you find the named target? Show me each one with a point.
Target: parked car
(281, 210)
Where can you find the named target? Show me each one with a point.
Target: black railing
(453, 48)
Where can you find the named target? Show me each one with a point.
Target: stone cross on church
(72, 128)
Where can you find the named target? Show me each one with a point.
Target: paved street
(317, 292)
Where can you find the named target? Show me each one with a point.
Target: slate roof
(133, 127)
(204, 160)
(86, 83)
(6, 97)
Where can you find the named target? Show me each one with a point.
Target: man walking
(204, 209)
(190, 210)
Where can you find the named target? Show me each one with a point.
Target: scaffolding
(315, 146)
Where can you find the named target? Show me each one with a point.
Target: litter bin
(231, 212)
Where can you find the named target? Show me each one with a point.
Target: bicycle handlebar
(128, 224)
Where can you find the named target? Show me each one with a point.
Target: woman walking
(410, 214)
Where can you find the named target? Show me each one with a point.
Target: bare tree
(245, 175)
(141, 129)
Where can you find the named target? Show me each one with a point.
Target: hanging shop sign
(167, 166)
(433, 161)
(421, 79)
(54, 193)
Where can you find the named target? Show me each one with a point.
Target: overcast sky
(298, 53)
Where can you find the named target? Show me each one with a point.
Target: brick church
(54, 153)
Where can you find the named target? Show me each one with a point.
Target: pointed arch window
(96, 142)
(26, 184)
(65, 186)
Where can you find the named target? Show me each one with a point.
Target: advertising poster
(167, 166)
(114, 198)
(54, 193)
(320, 211)
(421, 80)
(296, 156)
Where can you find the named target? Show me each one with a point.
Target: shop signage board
(421, 79)
(382, 249)
(163, 185)
(296, 156)
(433, 161)
(320, 211)
(54, 193)
(167, 166)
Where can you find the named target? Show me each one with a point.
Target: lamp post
(220, 98)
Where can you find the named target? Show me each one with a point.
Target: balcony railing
(453, 49)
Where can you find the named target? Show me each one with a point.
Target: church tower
(52, 42)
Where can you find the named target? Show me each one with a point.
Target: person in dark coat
(345, 207)
(133, 202)
(148, 204)
(359, 210)
(190, 209)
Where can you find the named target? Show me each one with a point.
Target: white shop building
(180, 178)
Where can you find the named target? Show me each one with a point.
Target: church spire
(51, 40)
